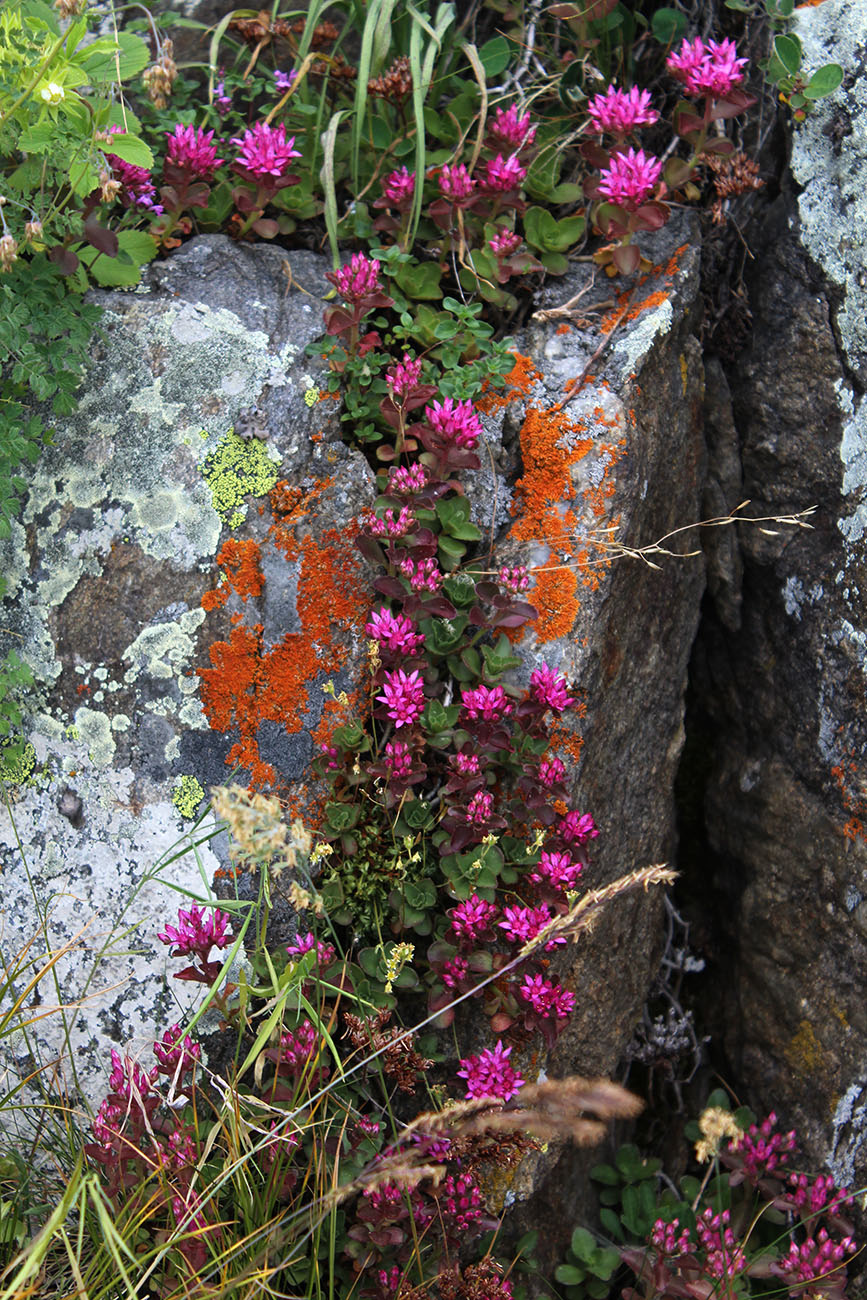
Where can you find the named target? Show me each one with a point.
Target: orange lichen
(519, 382)
(555, 599)
(851, 787)
(241, 574)
(565, 328)
(249, 682)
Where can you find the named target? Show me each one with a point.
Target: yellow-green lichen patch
(17, 762)
(187, 795)
(236, 469)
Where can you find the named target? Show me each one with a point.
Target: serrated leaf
(132, 149)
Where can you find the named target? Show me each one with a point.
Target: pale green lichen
(187, 795)
(234, 470)
(94, 728)
(311, 396)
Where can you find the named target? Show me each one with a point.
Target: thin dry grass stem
(605, 541)
(582, 915)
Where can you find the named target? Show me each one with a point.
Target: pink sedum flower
(296, 1048)
(398, 760)
(557, 870)
(491, 1074)
(358, 278)
(399, 188)
(511, 129)
(391, 525)
(504, 174)
(139, 189)
(620, 111)
(304, 943)
(480, 808)
(713, 70)
(578, 828)
(412, 478)
(403, 377)
(630, 178)
(515, 580)
(549, 689)
(489, 703)
(197, 933)
(455, 971)
(455, 183)
(264, 153)
(455, 422)
(177, 1052)
(522, 924)
(472, 918)
(396, 632)
(551, 772)
(548, 1000)
(422, 575)
(467, 764)
(191, 149)
(403, 695)
(504, 243)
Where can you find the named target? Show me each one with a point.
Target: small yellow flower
(400, 954)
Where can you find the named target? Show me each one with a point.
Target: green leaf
(132, 149)
(107, 58)
(605, 1174)
(139, 247)
(668, 26)
(569, 1275)
(583, 1244)
(788, 51)
(38, 138)
(420, 894)
(83, 179)
(824, 81)
(420, 280)
(495, 55)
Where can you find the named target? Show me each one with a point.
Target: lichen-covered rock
(621, 450)
(782, 668)
(183, 583)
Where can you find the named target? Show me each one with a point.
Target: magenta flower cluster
(548, 1000)
(455, 422)
(712, 69)
(618, 112)
(403, 696)
(394, 632)
(491, 1074)
(197, 932)
(264, 152)
(357, 279)
(630, 178)
(307, 942)
(761, 1151)
(192, 150)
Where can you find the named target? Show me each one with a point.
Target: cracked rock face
(184, 583)
(783, 666)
